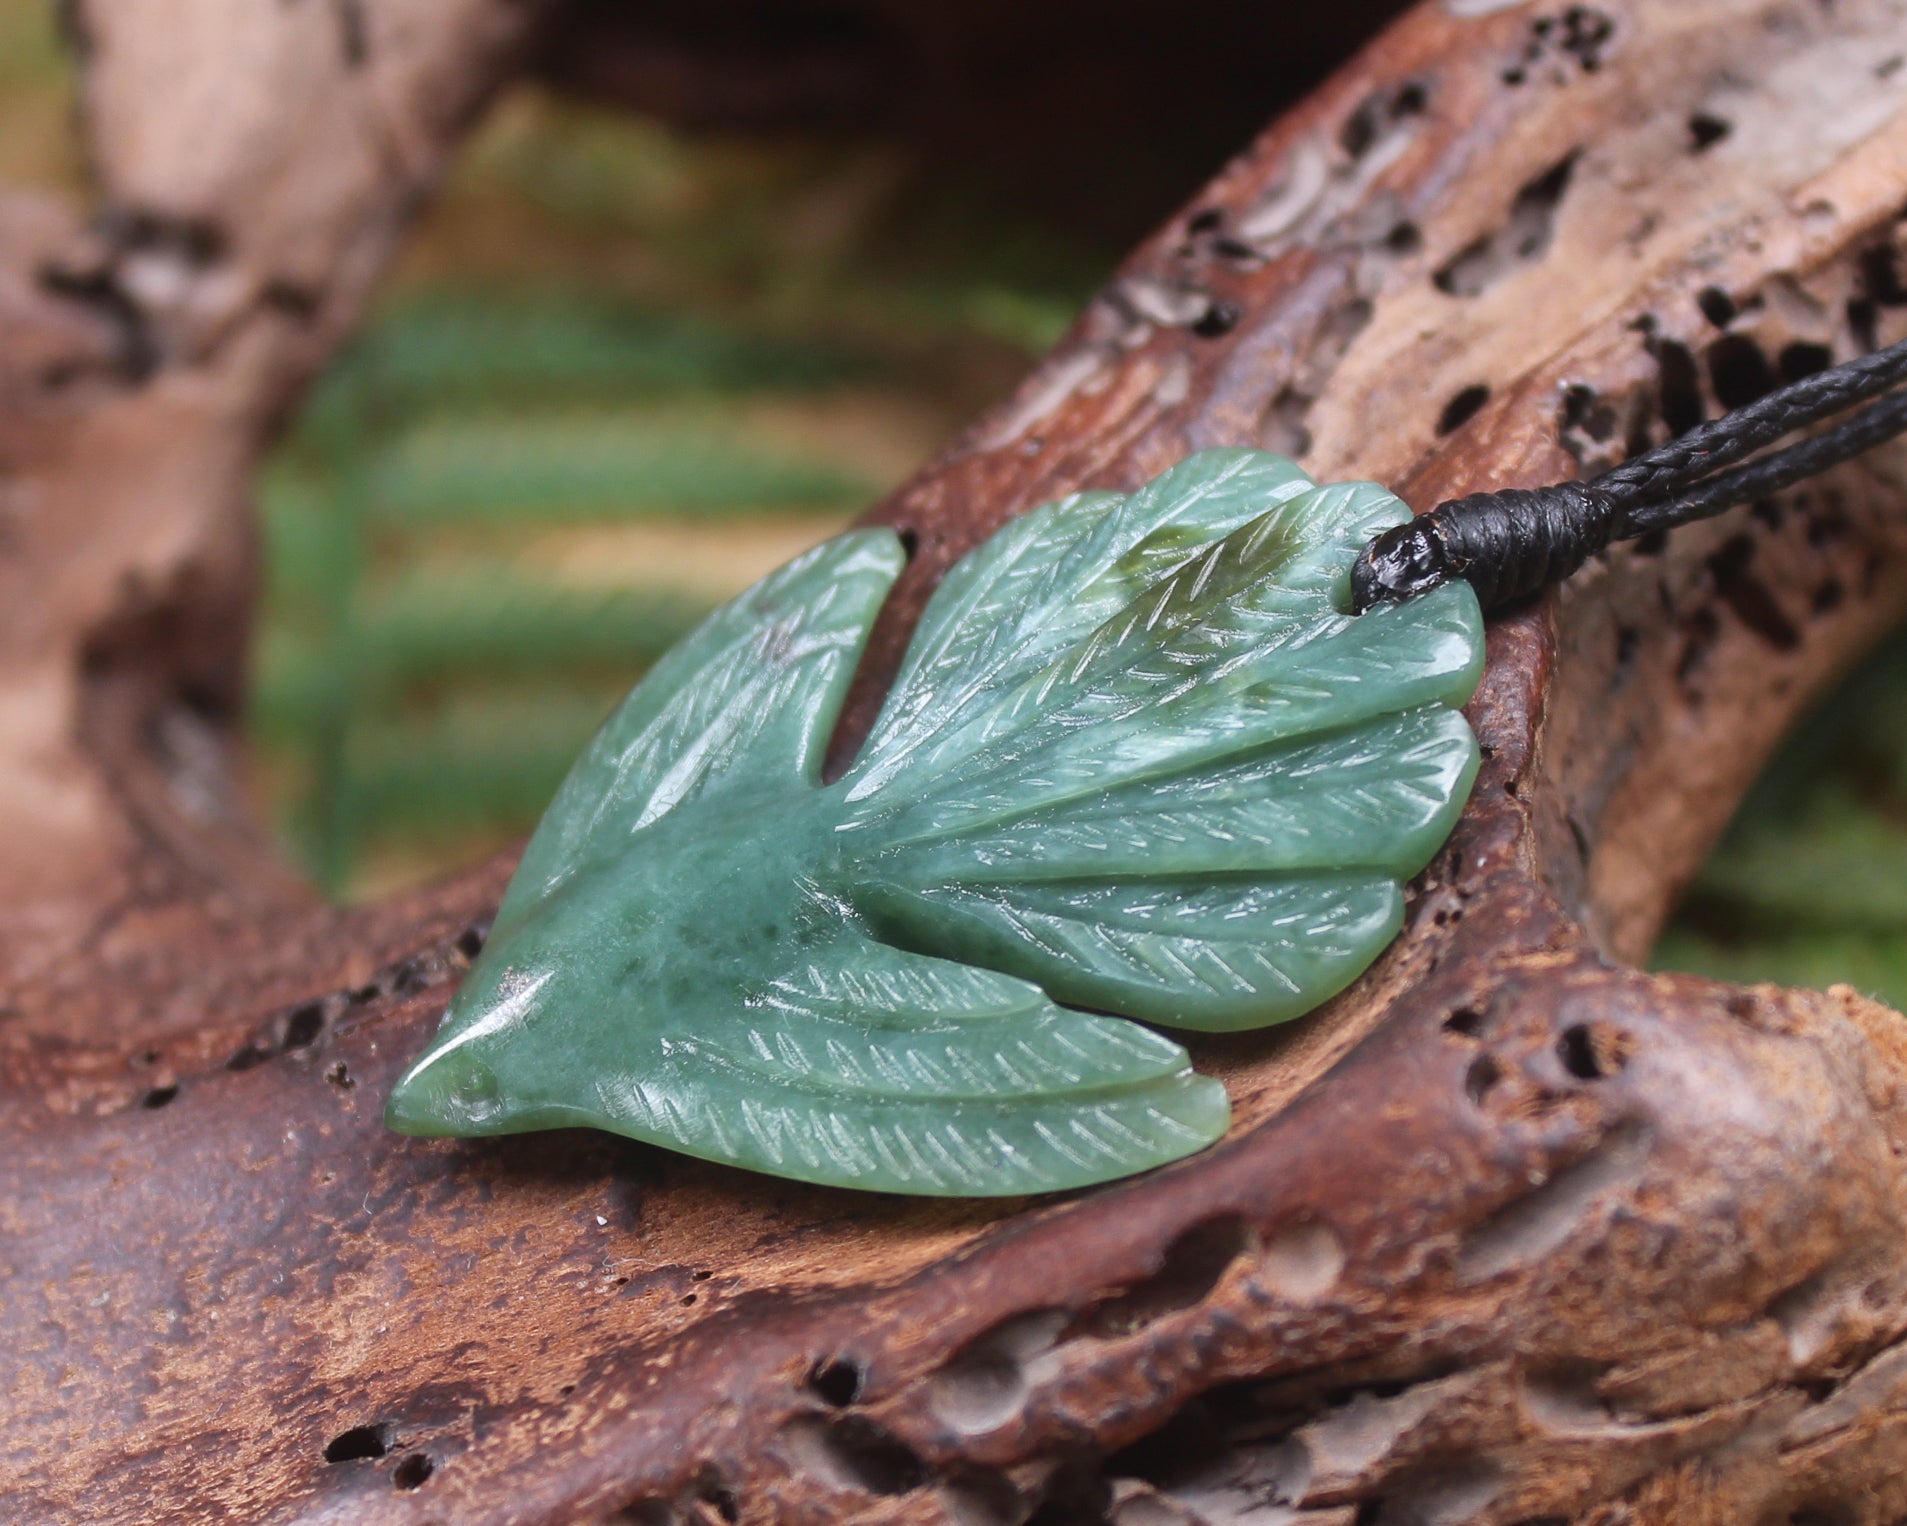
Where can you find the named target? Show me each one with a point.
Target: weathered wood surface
(255, 165)
(1509, 1233)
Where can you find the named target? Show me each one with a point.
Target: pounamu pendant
(1139, 763)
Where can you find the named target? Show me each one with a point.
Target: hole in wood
(304, 1025)
(1481, 1078)
(852, 1452)
(1748, 597)
(1190, 1268)
(1302, 1262)
(1698, 640)
(359, 1443)
(1359, 131)
(1591, 1052)
(412, 1471)
(1880, 277)
(1534, 1225)
(1824, 1513)
(1523, 238)
(1586, 32)
(975, 1498)
(1462, 408)
(1802, 358)
(1466, 1022)
(1681, 386)
(1739, 371)
(1705, 130)
(1218, 320)
(299, 303)
(836, 1381)
(1587, 413)
(1716, 305)
(252, 1054)
(983, 1384)
(1284, 429)
(1863, 320)
(1628, 644)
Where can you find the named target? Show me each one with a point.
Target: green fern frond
(489, 760)
(1873, 962)
(590, 466)
(1840, 866)
(450, 349)
(1809, 886)
(430, 628)
(498, 621)
(311, 545)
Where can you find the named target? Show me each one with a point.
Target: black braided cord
(1874, 425)
(1512, 543)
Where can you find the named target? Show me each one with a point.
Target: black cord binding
(1509, 544)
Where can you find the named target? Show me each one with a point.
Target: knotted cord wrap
(1514, 542)
(1506, 545)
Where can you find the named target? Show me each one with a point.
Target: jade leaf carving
(1138, 759)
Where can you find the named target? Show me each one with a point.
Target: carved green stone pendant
(1139, 760)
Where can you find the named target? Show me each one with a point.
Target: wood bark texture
(1511, 1232)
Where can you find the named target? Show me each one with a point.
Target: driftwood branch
(1511, 1232)
(255, 166)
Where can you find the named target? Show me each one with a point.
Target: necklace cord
(1514, 542)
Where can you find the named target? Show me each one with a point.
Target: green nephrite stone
(1139, 763)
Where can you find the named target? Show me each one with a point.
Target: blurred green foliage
(605, 330)
(408, 696)
(37, 145)
(1809, 886)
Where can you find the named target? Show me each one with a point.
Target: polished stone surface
(1138, 759)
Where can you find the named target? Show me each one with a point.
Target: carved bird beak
(453, 1086)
